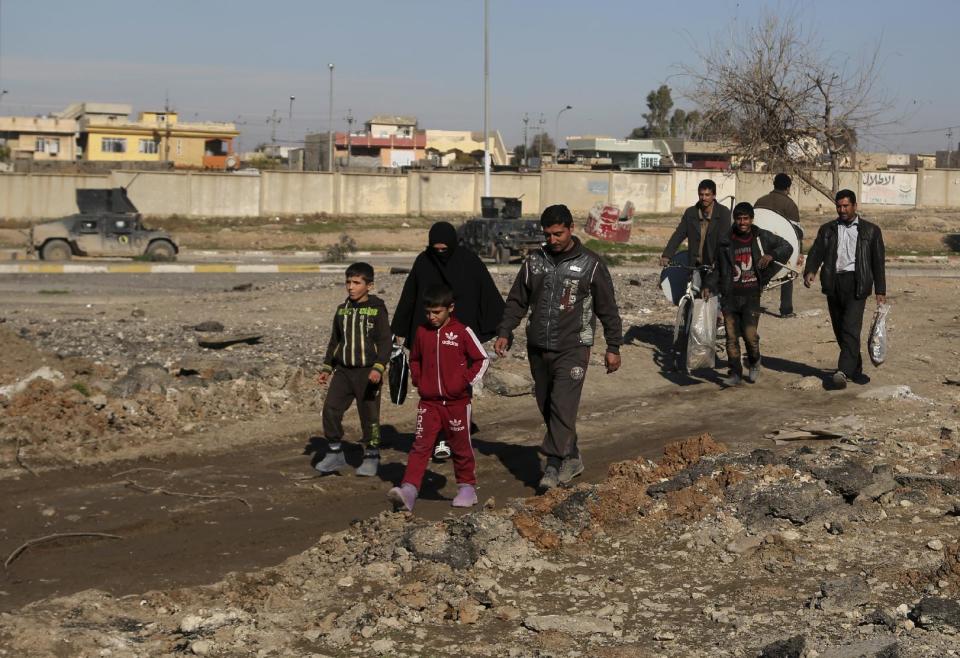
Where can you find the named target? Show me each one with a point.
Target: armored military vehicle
(500, 233)
(108, 224)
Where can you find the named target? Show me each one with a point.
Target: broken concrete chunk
(571, 624)
(209, 326)
(506, 383)
(45, 372)
(226, 341)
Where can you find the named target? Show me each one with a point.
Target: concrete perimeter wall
(438, 193)
(24, 196)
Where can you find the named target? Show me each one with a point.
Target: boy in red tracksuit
(446, 360)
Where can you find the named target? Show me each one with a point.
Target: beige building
(39, 138)
(446, 146)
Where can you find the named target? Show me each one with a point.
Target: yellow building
(107, 134)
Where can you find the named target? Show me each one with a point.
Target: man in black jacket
(745, 265)
(565, 286)
(851, 253)
(702, 225)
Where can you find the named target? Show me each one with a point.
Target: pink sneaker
(403, 497)
(466, 497)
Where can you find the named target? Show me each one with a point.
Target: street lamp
(330, 150)
(290, 130)
(556, 126)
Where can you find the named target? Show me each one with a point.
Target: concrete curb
(172, 268)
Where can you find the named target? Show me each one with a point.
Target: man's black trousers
(846, 314)
(558, 381)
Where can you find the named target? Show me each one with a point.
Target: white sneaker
(441, 451)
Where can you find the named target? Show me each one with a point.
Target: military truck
(500, 233)
(108, 224)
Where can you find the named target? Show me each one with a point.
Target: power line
(916, 132)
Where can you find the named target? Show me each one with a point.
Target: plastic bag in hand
(701, 345)
(399, 375)
(878, 335)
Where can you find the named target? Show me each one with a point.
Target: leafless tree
(781, 97)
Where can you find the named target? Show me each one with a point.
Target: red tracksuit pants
(453, 418)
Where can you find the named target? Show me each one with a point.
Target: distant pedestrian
(565, 287)
(446, 361)
(357, 356)
(779, 201)
(851, 252)
(744, 267)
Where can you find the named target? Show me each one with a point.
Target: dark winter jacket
(446, 362)
(870, 266)
(689, 229)
(479, 304)
(565, 298)
(780, 202)
(764, 243)
(360, 337)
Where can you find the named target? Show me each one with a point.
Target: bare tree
(784, 99)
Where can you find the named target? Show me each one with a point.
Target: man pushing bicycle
(703, 225)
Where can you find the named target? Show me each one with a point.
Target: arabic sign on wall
(888, 189)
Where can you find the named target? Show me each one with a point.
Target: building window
(49, 145)
(114, 145)
(148, 146)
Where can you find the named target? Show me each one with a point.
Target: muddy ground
(198, 461)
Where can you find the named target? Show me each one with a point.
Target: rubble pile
(115, 381)
(809, 551)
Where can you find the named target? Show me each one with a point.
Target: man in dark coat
(849, 253)
(444, 262)
(703, 226)
(779, 201)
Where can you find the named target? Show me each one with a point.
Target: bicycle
(681, 326)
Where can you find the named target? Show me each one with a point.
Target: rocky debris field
(96, 382)
(838, 537)
(837, 549)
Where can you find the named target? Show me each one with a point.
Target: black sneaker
(371, 462)
(839, 380)
(733, 379)
(551, 477)
(569, 469)
(332, 462)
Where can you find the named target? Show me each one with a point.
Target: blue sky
(239, 60)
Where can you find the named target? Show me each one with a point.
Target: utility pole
(526, 120)
(350, 119)
(949, 146)
(274, 120)
(330, 149)
(486, 101)
(166, 122)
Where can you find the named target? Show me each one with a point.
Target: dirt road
(254, 500)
